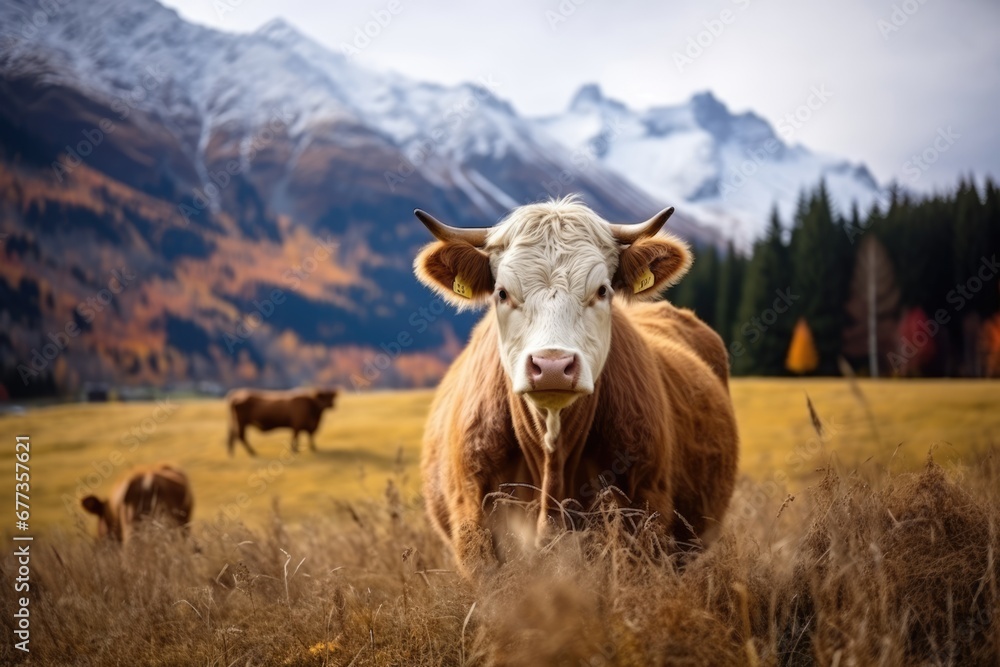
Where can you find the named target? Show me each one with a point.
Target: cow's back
(161, 493)
(695, 371)
(662, 324)
(265, 410)
(270, 410)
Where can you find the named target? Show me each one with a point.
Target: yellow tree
(802, 357)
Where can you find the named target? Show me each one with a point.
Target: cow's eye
(602, 291)
(502, 294)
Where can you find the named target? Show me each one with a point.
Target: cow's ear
(94, 505)
(649, 266)
(458, 271)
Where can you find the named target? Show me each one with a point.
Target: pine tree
(759, 348)
(971, 239)
(873, 306)
(697, 290)
(855, 230)
(728, 299)
(991, 221)
(819, 251)
(971, 234)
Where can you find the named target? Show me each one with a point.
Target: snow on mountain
(214, 90)
(728, 170)
(159, 110)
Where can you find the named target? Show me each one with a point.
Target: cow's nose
(553, 371)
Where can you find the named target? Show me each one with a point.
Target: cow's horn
(475, 236)
(626, 234)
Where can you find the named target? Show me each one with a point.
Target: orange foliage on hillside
(125, 340)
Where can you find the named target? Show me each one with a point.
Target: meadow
(865, 531)
(369, 437)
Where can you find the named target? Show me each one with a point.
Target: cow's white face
(552, 300)
(551, 272)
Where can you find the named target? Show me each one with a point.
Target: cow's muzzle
(553, 377)
(553, 370)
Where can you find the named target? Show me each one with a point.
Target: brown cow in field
(299, 410)
(571, 383)
(160, 493)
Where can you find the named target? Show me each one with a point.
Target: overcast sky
(894, 80)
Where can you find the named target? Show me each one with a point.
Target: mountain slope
(729, 169)
(214, 91)
(223, 169)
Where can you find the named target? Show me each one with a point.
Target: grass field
(882, 558)
(368, 438)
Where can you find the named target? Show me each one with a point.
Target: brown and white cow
(298, 409)
(160, 493)
(573, 381)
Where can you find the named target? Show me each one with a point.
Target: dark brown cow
(299, 410)
(571, 384)
(159, 493)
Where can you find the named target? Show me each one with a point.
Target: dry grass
(863, 568)
(362, 440)
(887, 561)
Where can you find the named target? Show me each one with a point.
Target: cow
(299, 410)
(577, 379)
(159, 493)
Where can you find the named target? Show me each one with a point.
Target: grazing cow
(573, 382)
(299, 410)
(160, 493)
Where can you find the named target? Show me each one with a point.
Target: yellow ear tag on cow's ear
(461, 287)
(643, 282)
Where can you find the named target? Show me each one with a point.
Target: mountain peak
(707, 98)
(279, 30)
(591, 96)
(588, 95)
(728, 168)
(711, 113)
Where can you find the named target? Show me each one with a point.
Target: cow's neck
(552, 443)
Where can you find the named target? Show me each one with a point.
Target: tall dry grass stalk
(862, 569)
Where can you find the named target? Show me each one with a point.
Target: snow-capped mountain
(224, 169)
(728, 169)
(216, 166)
(215, 91)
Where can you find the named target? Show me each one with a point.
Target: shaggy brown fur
(659, 427)
(161, 493)
(299, 410)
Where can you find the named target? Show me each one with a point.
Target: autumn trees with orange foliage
(802, 355)
(991, 347)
